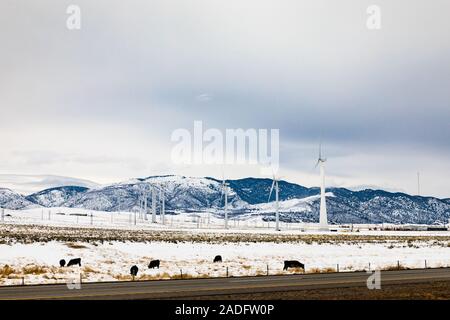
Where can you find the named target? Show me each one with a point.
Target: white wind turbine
(323, 221)
(163, 206)
(153, 204)
(277, 216)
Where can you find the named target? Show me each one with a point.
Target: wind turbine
(145, 196)
(323, 221)
(163, 206)
(277, 217)
(153, 204)
(225, 194)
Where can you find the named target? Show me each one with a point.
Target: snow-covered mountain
(56, 197)
(12, 200)
(247, 196)
(27, 184)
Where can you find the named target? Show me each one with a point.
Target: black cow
(153, 264)
(134, 270)
(62, 262)
(73, 262)
(217, 259)
(293, 264)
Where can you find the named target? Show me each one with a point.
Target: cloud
(102, 102)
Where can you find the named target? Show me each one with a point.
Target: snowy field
(200, 221)
(38, 262)
(33, 241)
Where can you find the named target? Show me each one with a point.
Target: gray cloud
(138, 70)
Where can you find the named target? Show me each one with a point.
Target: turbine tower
(225, 194)
(145, 203)
(163, 206)
(323, 220)
(153, 205)
(277, 217)
(418, 183)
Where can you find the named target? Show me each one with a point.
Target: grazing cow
(134, 271)
(153, 264)
(62, 262)
(293, 264)
(73, 262)
(217, 259)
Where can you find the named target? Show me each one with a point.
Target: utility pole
(418, 183)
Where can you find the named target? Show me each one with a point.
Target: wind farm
(243, 142)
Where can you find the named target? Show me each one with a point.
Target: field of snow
(111, 261)
(200, 221)
(33, 241)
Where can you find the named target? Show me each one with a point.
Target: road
(189, 288)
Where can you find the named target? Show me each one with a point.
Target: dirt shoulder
(439, 290)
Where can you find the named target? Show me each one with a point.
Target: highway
(189, 288)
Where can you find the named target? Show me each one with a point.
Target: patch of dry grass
(6, 270)
(394, 267)
(75, 245)
(88, 269)
(38, 233)
(34, 269)
(321, 270)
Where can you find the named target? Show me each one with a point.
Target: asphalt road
(206, 287)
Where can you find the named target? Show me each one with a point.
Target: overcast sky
(100, 103)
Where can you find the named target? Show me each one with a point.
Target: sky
(101, 103)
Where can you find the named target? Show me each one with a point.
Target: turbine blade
(320, 149)
(271, 189)
(317, 163)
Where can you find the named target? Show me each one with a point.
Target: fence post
(398, 264)
(425, 263)
(369, 266)
(267, 267)
(227, 272)
(23, 281)
(81, 278)
(337, 267)
(181, 272)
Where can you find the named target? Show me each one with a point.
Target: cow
(217, 259)
(134, 270)
(62, 262)
(293, 264)
(73, 262)
(154, 264)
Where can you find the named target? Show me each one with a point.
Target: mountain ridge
(247, 196)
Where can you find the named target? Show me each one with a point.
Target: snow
(38, 262)
(112, 261)
(199, 221)
(28, 184)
